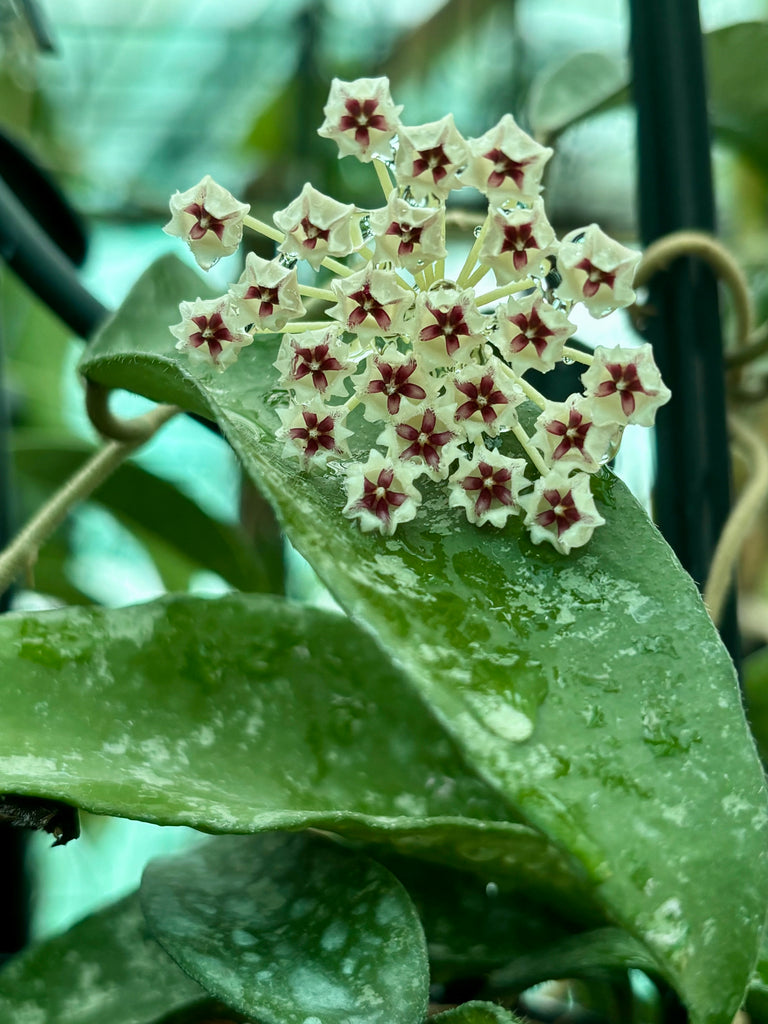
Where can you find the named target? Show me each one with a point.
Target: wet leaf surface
(105, 968)
(591, 690)
(291, 929)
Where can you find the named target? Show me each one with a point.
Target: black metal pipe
(692, 497)
(14, 921)
(44, 268)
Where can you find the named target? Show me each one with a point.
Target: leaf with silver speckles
(291, 929)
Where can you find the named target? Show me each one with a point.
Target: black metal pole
(675, 185)
(16, 895)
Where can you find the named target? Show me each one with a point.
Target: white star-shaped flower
(209, 219)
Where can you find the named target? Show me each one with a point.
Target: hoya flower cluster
(430, 368)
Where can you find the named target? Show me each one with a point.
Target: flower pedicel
(439, 364)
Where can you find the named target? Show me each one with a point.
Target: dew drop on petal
(477, 231)
(287, 261)
(612, 449)
(568, 360)
(278, 396)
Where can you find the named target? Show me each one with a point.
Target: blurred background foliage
(123, 102)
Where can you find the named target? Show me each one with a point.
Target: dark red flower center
(595, 277)
(204, 222)
(393, 382)
(533, 331)
(491, 485)
(624, 380)
(449, 325)
(211, 331)
(368, 305)
(269, 298)
(505, 167)
(377, 496)
(409, 236)
(573, 434)
(562, 511)
(480, 398)
(360, 118)
(518, 238)
(434, 160)
(424, 440)
(315, 361)
(313, 234)
(316, 433)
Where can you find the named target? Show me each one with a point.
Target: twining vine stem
(751, 342)
(22, 551)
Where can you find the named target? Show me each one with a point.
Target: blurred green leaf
(164, 518)
(756, 1003)
(36, 348)
(567, 92)
(106, 968)
(755, 673)
(736, 58)
(473, 927)
(291, 928)
(560, 678)
(589, 83)
(477, 1013)
(239, 713)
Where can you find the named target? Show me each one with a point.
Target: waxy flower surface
(483, 399)
(424, 439)
(317, 226)
(381, 494)
(268, 293)
(211, 332)
(313, 363)
(314, 432)
(532, 334)
(566, 434)
(625, 385)
(360, 117)
(403, 372)
(371, 304)
(209, 219)
(393, 381)
(408, 236)
(487, 487)
(561, 510)
(516, 242)
(596, 270)
(506, 163)
(431, 157)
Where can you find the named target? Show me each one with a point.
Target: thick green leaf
(105, 968)
(591, 690)
(477, 1013)
(156, 510)
(238, 713)
(736, 60)
(476, 929)
(274, 716)
(587, 83)
(582, 85)
(756, 1003)
(473, 927)
(288, 928)
(755, 671)
(573, 957)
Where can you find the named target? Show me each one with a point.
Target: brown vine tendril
(136, 430)
(751, 343)
(661, 253)
(23, 549)
(753, 450)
